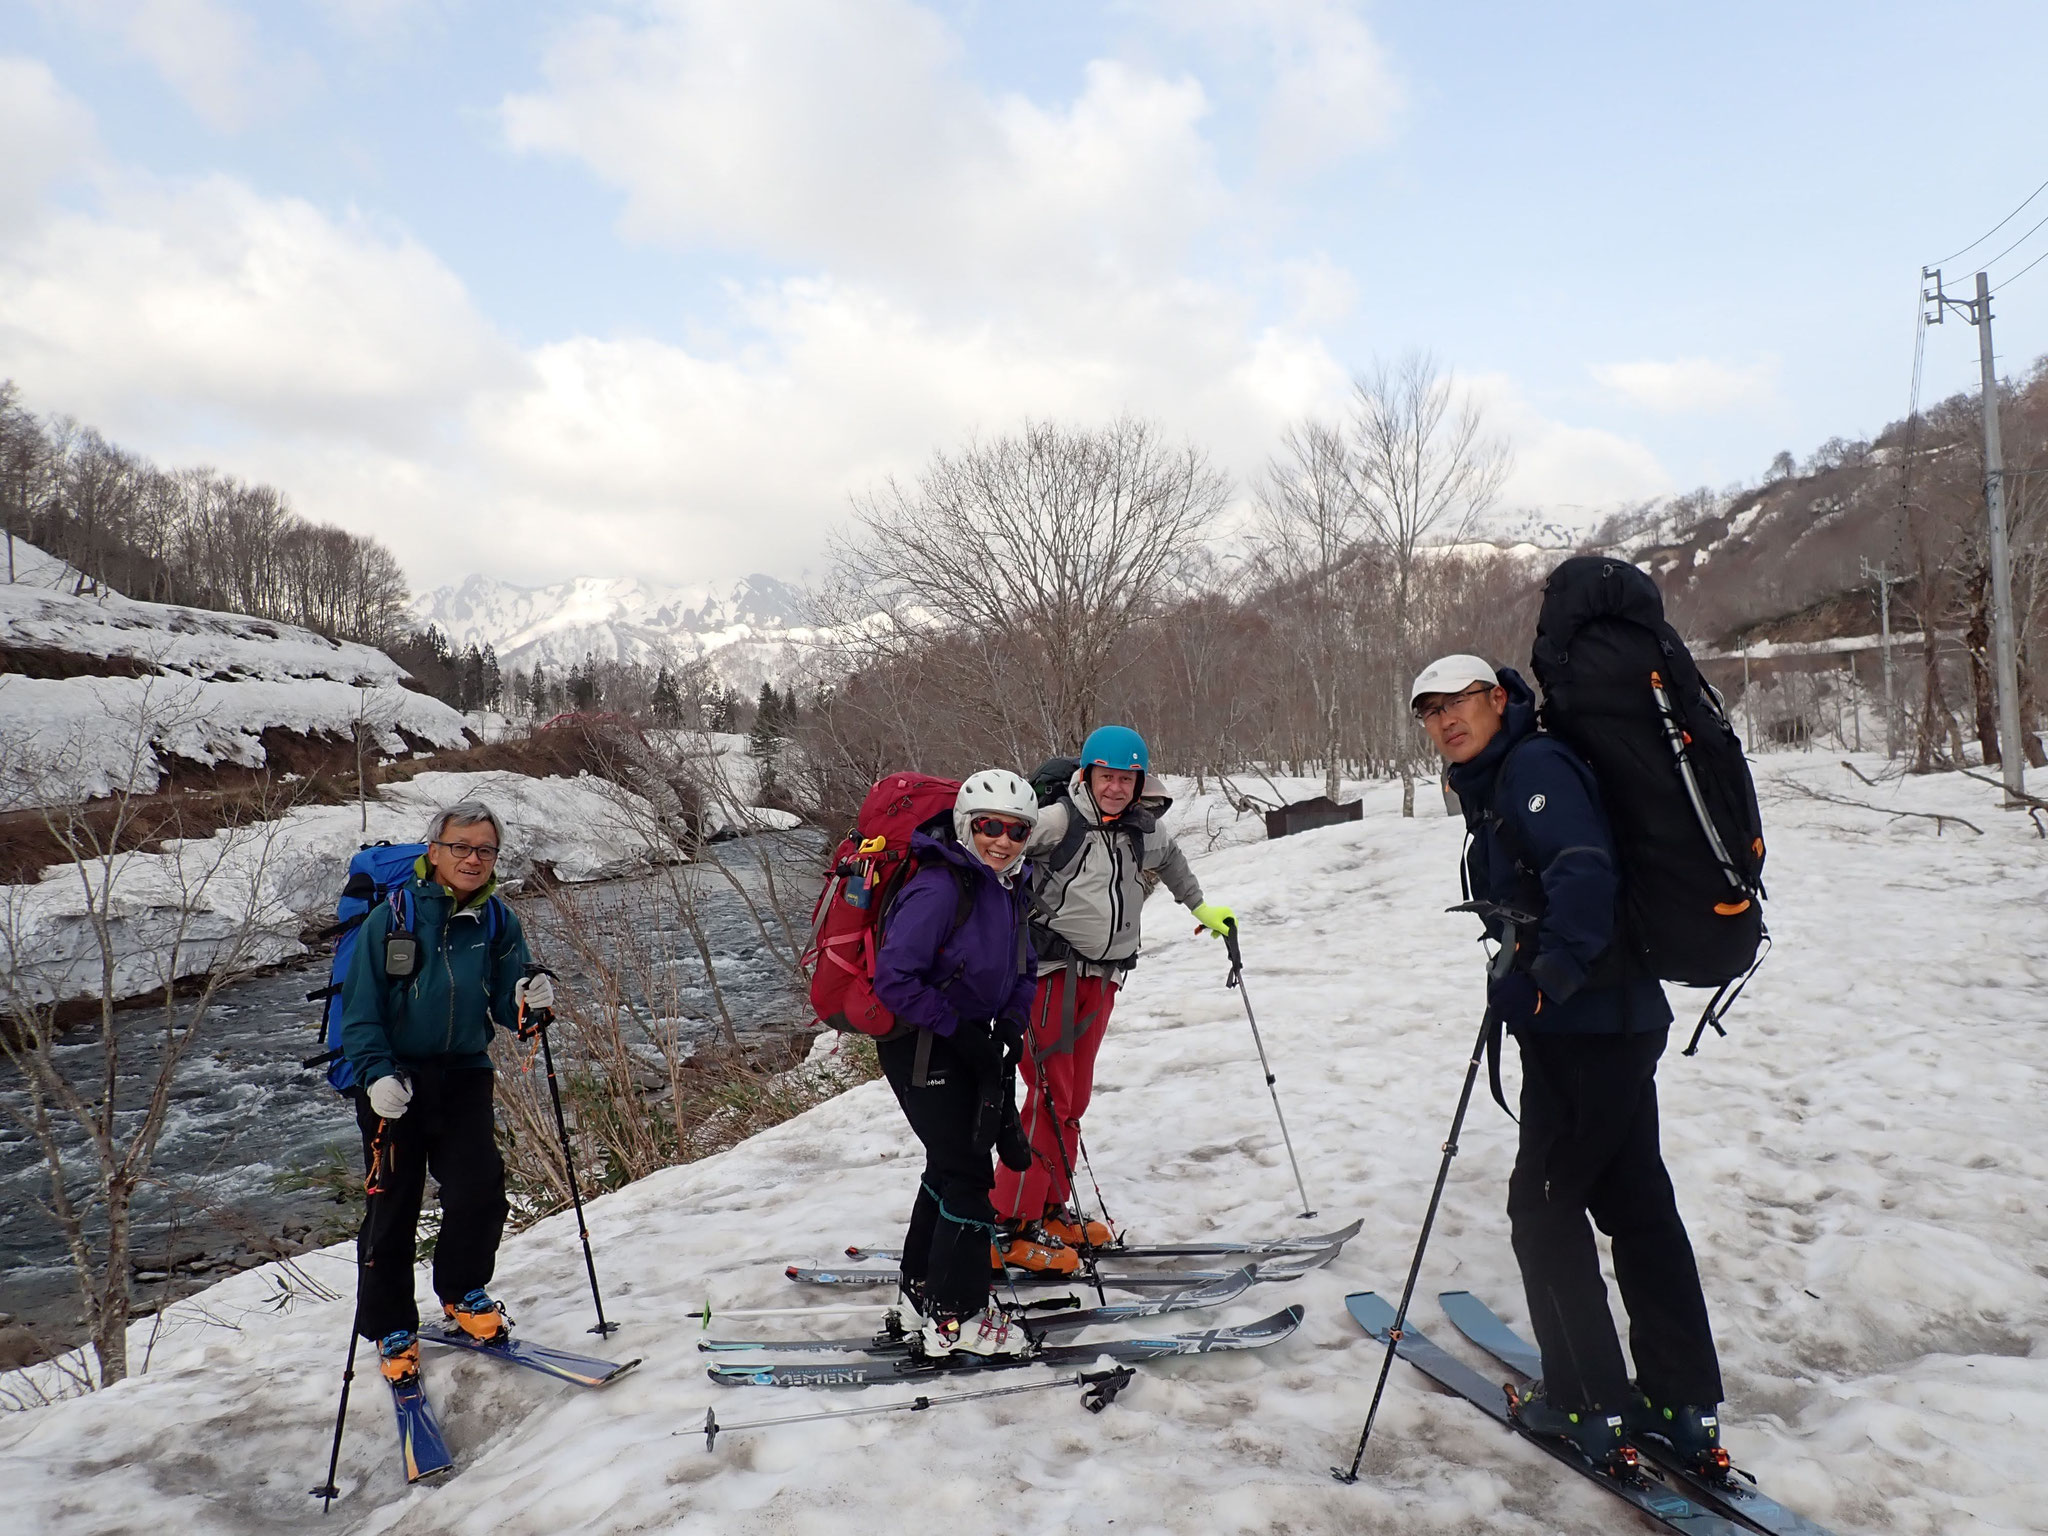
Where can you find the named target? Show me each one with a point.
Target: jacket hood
(927, 847)
(1473, 781)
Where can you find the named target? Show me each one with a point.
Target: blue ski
(1668, 1507)
(582, 1370)
(419, 1432)
(1483, 1326)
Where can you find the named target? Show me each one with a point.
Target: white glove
(389, 1096)
(535, 992)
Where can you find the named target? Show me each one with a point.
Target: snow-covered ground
(1864, 1166)
(213, 683)
(285, 875)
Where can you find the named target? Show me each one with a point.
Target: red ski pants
(1052, 1116)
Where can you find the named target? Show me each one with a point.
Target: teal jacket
(444, 1011)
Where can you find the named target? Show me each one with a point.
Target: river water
(244, 1113)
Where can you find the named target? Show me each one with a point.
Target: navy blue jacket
(1541, 843)
(932, 975)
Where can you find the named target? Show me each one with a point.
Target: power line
(2014, 246)
(2005, 283)
(1994, 229)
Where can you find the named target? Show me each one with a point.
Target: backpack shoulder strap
(1069, 845)
(1503, 830)
(963, 882)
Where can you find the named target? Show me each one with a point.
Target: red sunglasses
(995, 826)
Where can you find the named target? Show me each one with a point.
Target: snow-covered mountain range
(747, 629)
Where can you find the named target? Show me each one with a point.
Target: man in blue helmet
(1097, 850)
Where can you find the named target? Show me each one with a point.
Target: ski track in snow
(1863, 1166)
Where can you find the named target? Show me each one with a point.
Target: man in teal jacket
(435, 969)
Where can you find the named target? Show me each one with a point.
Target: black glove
(1516, 998)
(1012, 1146)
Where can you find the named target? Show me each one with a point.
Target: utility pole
(1885, 582)
(2004, 652)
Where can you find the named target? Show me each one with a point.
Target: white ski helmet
(992, 792)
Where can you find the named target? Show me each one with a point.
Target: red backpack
(867, 871)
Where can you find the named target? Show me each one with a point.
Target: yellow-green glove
(1214, 917)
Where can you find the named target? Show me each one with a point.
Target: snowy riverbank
(1862, 1166)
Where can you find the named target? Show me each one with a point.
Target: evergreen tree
(764, 742)
(667, 703)
(537, 690)
(492, 691)
(583, 684)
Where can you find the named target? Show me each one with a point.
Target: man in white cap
(1591, 1026)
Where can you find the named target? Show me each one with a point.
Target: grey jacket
(1093, 900)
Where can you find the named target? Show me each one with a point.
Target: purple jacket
(985, 970)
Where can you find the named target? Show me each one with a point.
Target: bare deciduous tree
(1310, 520)
(1030, 559)
(1425, 468)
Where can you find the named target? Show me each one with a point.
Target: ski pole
(543, 1017)
(1236, 979)
(1066, 1162)
(1488, 1024)
(373, 1186)
(1098, 1391)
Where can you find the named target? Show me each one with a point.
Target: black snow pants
(1589, 1146)
(946, 1250)
(447, 1131)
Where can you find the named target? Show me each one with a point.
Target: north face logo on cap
(1537, 802)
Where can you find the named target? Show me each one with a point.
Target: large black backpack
(1620, 688)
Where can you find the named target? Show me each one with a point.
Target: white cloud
(208, 297)
(969, 259)
(1329, 89)
(47, 134)
(1690, 384)
(204, 50)
(1561, 466)
(848, 137)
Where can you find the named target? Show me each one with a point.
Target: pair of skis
(1037, 1322)
(880, 1370)
(1204, 1250)
(1685, 1500)
(420, 1442)
(1276, 1259)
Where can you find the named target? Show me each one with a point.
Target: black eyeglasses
(1428, 712)
(464, 852)
(995, 826)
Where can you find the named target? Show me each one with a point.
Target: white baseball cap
(1452, 674)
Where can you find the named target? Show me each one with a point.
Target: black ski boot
(1597, 1434)
(1694, 1434)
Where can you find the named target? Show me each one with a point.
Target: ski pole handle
(1230, 945)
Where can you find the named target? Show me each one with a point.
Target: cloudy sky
(650, 287)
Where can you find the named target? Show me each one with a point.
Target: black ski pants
(946, 1250)
(1589, 1147)
(446, 1131)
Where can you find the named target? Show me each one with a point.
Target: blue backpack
(380, 872)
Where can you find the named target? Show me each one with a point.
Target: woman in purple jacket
(956, 966)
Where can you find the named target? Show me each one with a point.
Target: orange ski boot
(398, 1356)
(1028, 1245)
(1076, 1230)
(478, 1316)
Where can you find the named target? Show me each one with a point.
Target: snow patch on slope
(209, 685)
(1861, 1165)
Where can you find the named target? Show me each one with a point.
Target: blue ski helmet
(1115, 746)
